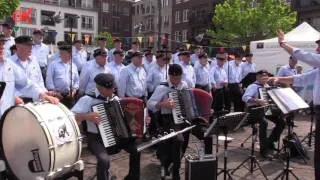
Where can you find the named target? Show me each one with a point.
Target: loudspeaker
(204, 169)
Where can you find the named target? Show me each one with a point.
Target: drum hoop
(75, 127)
(46, 131)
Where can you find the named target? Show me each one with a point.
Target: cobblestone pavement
(150, 169)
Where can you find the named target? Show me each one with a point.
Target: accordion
(113, 126)
(190, 104)
(272, 108)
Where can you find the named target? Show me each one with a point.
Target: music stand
(248, 79)
(225, 124)
(311, 132)
(2, 87)
(257, 112)
(288, 101)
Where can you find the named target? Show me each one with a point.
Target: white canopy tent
(267, 54)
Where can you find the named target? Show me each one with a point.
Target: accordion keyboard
(177, 111)
(104, 126)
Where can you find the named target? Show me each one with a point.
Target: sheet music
(287, 100)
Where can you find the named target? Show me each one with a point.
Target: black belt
(27, 99)
(142, 97)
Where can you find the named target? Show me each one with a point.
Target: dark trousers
(277, 130)
(235, 96)
(67, 101)
(218, 101)
(317, 144)
(205, 88)
(44, 73)
(103, 161)
(169, 151)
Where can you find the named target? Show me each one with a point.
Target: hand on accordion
(94, 117)
(262, 102)
(168, 103)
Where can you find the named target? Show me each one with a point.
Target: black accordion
(113, 127)
(272, 108)
(186, 107)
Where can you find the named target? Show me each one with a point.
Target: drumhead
(24, 144)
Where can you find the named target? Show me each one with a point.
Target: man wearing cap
(7, 30)
(62, 79)
(93, 67)
(175, 56)
(305, 79)
(247, 66)
(40, 51)
(252, 99)
(102, 43)
(27, 63)
(195, 56)
(202, 70)
(13, 77)
(133, 79)
(116, 65)
(148, 60)
(219, 82)
(188, 72)
(105, 84)
(234, 74)
(170, 150)
(79, 54)
(117, 44)
(135, 47)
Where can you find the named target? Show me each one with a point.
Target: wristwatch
(282, 43)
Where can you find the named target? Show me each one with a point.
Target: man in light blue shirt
(202, 71)
(117, 46)
(79, 54)
(313, 77)
(195, 56)
(102, 43)
(188, 72)
(7, 30)
(62, 79)
(133, 79)
(148, 60)
(234, 86)
(40, 51)
(116, 66)
(28, 64)
(288, 70)
(91, 69)
(247, 66)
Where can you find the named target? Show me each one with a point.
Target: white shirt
(246, 68)
(79, 58)
(7, 45)
(41, 52)
(156, 76)
(202, 74)
(115, 70)
(148, 64)
(188, 74)
(218, 77)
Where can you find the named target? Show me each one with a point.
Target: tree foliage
(109, 39)
(241, 21)
(7, 7)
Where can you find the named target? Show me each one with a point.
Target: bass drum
(39, 140)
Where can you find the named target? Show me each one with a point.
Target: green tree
(109, 39)
(7, 7)
(237, 22)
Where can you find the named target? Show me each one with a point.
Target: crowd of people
(79, 79)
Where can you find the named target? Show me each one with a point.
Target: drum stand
(76, 171)
(252, 158)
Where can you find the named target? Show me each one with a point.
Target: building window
(33, 16)
(70, 21)
(87, 4)
(46, 18)
(166, 21)
(87, 22)
(49, 37)
(177, 36)
(115, 10)
(70, 37)
(105, 7)
(69, 3)
(26, 31)
(126, 27)
(166, 2)
(105, 21)
(177, 17)
(115, 25)
(125, 11)
(185, 15)
(178, 1)
(86, 38)
(138, 10)
(185, 35)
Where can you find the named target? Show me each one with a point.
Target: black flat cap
(262, 72)
(203, 55)
(138, 53)
(2, 38)
(77, 41)
(221, 56)
(135, 42)
(65, 47)
(38, 31)
(101, 38)
(116, 40)
(99, 52)
(249, 55)
(184, 53)
(7, 25)
(175, 70)
(120, 52)
(105, 80)
(26, 40)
